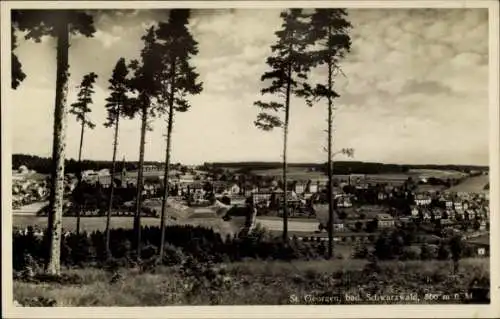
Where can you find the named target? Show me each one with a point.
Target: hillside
(345, 167)
(475, 184)
(42, 165)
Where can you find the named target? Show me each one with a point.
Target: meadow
(473, 184)
(90, 224)
(257, 282)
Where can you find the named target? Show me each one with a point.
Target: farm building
(422, 200)
(300, 187)
(481, 245)
(385, 221)
(233, 189)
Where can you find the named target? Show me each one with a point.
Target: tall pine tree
(330, 33)
(145, 83)
(290, 65)
(116, 107)
(178, 80)
(80, 109)
(59, 24)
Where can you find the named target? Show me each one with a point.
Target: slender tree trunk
(58, 152)
(330, 168)
(285, 144)
(112, 185)
(140, 181)
(78, 211)
(167, 158)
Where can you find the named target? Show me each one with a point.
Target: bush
(173, 255)
(428, 252)
(38, 302)
(361, 252)
(443, 252)
(411, 253)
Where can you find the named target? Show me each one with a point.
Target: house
(449, 204)
(469, 214)
(481, 245)
(415, 212)
(445, 221)
(151, 168)
(382, 196)
(300, 187)
(422, 200)
(90, 176)
(343, 200)
(385, 221)
(338, 226)
(482, 225)
(186, 178)
(261, 198)
(427, 215)
(466, 205)
(41, 192)
(313, 188)
(438, 214)
(233, 189)
(362, 186)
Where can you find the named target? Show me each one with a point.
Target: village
(364, 205)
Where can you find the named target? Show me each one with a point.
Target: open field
(473, 184)
(31, 208)
(32, 176)
(298, 173)
(303, 225)
(303, 173)
(256, 282)
(437, 173)
(90, 224)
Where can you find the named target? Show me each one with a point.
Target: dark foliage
(42, 165)
(344, 167)
(201, 244)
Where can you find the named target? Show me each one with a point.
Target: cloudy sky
(415, 90)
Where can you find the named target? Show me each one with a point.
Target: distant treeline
(43, 164)
(346, 167)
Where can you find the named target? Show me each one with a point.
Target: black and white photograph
(239, 153)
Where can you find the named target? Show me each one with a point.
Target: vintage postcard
(214, 158)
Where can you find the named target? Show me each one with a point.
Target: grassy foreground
(260, 283)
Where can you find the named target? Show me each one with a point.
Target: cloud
(425, 87)
(107, 39)
(415, 89)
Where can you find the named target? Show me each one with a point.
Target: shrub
(428, 252)
(411, 253)
(443, 252)
(361, 252)
(173, 255)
